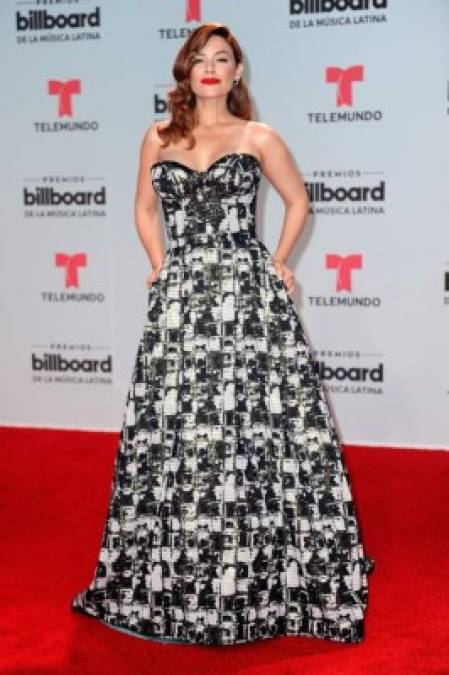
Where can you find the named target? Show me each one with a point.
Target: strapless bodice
(219, 201)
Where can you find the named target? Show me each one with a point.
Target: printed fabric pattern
(231, 516)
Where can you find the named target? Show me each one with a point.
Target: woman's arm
(281, 171)
(146, 204)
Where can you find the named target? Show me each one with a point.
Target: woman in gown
(231, 517)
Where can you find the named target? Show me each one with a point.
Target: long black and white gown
(231, 517)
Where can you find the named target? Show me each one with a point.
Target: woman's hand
(285, 274)
(154, 274)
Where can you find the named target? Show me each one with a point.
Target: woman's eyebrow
(217, 52)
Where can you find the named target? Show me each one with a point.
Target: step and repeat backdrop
(359, 91)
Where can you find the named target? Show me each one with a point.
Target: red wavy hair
(181, 99)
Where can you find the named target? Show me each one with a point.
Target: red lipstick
(210, 80)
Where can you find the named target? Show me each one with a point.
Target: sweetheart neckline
(204, 171)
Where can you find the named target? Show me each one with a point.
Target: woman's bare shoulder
(265, 137)
(152, 134)
(262, 132)
(152, 142)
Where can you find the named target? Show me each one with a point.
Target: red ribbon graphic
(65, 91)
(344, 265)
(193, 10)
(71, 264)
(344, 79)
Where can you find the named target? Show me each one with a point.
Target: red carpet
(53, 500)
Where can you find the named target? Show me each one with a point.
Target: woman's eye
(224, 60)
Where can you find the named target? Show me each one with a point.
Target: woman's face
(214, 69)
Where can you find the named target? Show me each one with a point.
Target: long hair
(181, 99)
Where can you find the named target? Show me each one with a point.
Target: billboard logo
(64, 91)
(353, 199)
(352, 373)
(344, 266)
(446, 289)
(160, 104)
(56, 362)
(49, 196)
(344, 79)
(40, 19)
(329, 6)
(71, 263)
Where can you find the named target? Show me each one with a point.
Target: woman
(231, 517)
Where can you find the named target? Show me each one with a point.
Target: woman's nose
(210, 67)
